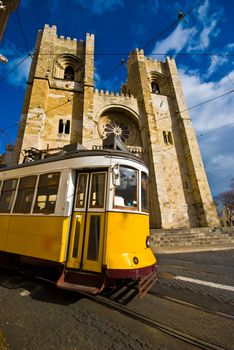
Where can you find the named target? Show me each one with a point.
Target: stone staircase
(193, 239)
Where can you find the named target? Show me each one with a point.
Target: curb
(173, 250)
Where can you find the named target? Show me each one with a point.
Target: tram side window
(7, 195)
(144, 192)
(126, 193)
(25, 194)
(47, 193)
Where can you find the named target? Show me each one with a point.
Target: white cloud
(211, 120)
(214, 114)
(190, 38)
(100, 6)
(176, 41)
(16, 71)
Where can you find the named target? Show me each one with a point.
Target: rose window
(120, 125)
(117, 128)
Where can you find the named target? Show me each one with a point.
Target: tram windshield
(126, 193)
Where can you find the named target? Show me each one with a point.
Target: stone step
(198, 242)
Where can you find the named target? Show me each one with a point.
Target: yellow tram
(85, 212)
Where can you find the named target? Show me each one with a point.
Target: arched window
(169, 136)
(155, 88)
(64, 127)
(67, 127)
(69, 73)
(165, 137)
(60, 128)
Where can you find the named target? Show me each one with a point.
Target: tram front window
(126, 193)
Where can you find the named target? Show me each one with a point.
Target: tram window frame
(5, 194)
(48, 208)
(102, 205)
(86, 175)
(24, 190)
(126, 207)
(145, 208)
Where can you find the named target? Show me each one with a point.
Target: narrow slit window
(170, 140)
(67, 127)
(165, 137)
(60, 128)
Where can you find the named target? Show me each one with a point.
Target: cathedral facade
(149, 114)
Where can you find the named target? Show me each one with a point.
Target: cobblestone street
(35, 315)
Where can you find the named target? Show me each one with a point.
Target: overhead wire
(149, 55)
(217, 129)
(14, 68)
(22, 31)
(155, 37)
(145, 45)
(206, 101)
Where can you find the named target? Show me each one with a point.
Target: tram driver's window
(25, 194)
(126, 193)
(7, 195)
(47, 193)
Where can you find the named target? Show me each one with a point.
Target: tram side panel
(4, 224)
(40, 236)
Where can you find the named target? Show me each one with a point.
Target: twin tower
(149, 114)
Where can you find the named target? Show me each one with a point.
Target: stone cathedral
(149, 114)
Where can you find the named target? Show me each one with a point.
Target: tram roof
(77, 154)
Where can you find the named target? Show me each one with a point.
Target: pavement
(36, 315)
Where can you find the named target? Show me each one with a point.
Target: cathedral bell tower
(59, 93)
(180, 194)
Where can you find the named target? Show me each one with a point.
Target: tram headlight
(135, 260)
(147, 242)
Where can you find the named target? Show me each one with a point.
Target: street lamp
(3, 59)
(2, 7)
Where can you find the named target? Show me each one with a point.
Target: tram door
(87, 230)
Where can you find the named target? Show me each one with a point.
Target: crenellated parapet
(101, 92)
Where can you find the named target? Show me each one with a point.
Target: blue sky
(120, 26)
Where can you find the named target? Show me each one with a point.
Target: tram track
(187, 265)
(191, 305)
(154, 324)
(175, 333)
